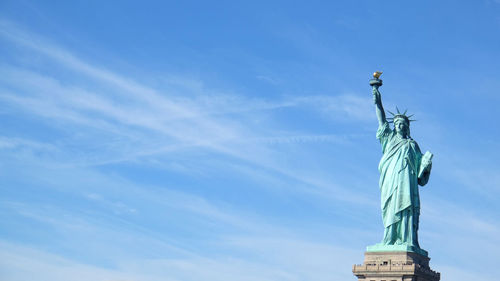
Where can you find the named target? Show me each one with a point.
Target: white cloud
(134, 120)
(278, 259)
(342, 107)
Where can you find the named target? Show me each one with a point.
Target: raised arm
(377, 99)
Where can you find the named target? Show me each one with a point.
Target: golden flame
(377, 74)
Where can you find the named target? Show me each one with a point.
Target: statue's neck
(402, 136)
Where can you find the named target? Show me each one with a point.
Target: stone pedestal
(395, 266)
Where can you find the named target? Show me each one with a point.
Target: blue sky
(236, 140)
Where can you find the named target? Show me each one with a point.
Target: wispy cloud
(13, 143)
(47, 266)
(138, 113)
(158, 255)
(342, 106)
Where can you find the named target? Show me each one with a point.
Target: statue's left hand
(427, 161)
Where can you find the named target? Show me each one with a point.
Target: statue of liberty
(402, 169)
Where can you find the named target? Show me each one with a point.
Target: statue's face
(401, 127)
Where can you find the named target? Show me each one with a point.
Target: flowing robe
(400, 200)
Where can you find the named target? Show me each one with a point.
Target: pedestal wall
(395, 266)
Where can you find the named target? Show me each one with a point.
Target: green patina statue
(402, 169)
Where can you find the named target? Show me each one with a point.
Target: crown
(400, 115)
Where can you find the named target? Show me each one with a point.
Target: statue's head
(401, 123)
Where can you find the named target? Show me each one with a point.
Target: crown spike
(399, 114)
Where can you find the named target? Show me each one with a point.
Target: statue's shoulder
(384, 130)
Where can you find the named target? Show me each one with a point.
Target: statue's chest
(401, 146)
